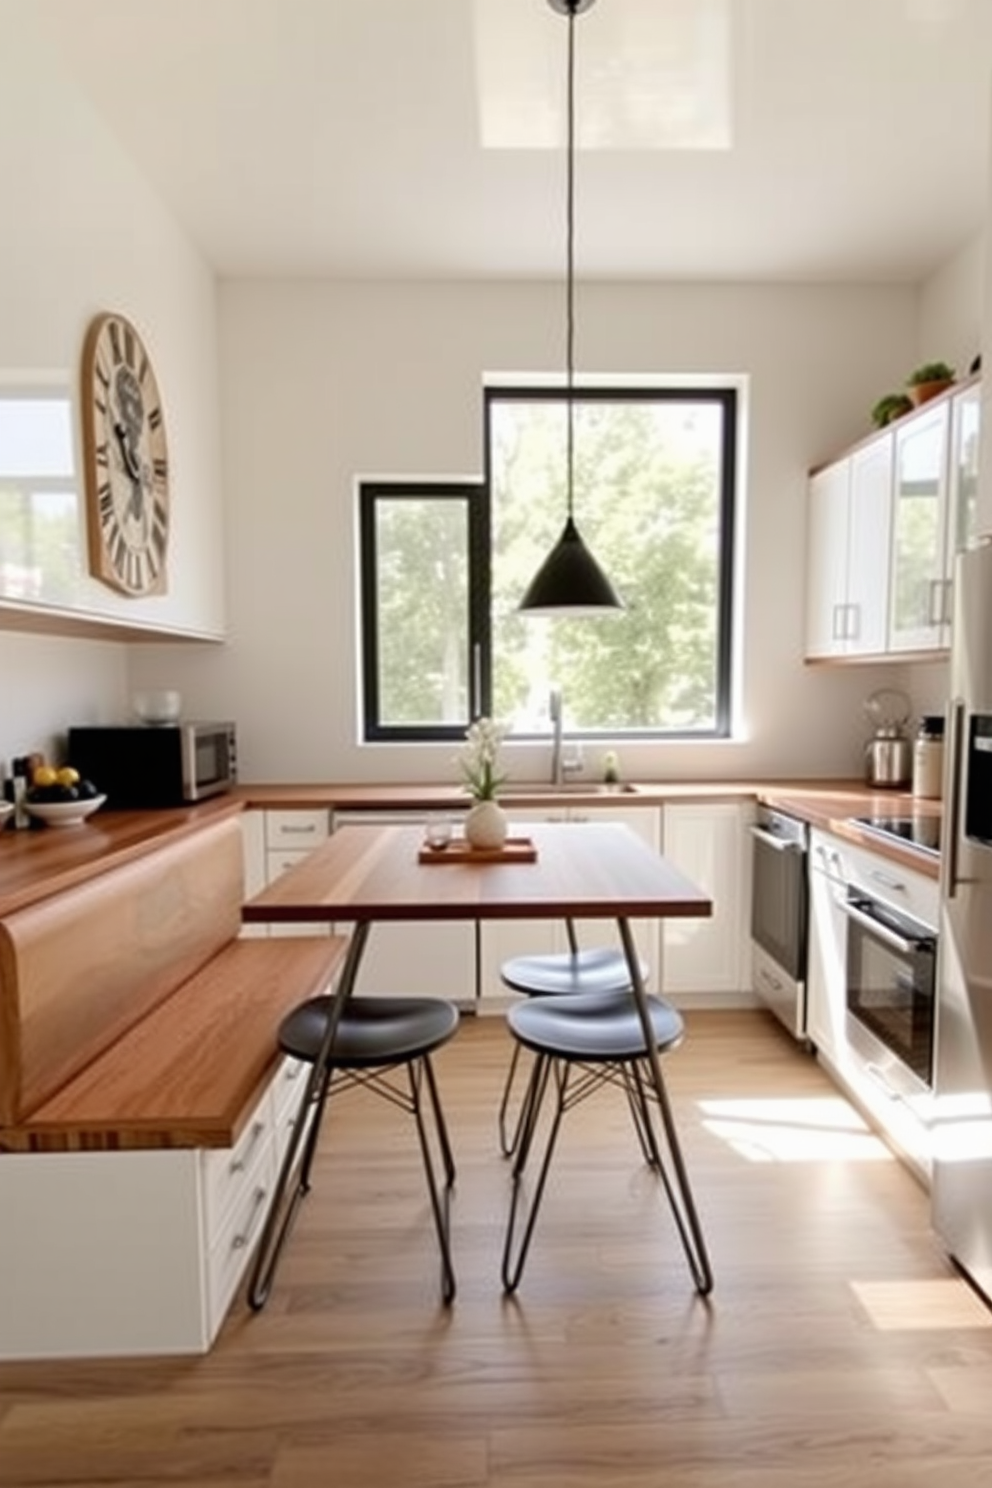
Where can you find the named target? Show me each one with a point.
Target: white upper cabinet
(884, 524)
(848, 561)
(919, 609)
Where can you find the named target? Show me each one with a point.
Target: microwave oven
(153, 765)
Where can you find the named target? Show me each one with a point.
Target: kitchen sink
(512, 789)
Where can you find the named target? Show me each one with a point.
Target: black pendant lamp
(570, 581)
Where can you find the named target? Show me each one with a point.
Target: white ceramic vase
(485, 825)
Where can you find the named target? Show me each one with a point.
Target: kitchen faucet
(560, 766)
(555, 714)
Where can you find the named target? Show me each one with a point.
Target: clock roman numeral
(143, 369)
(114, 331)
(154, 417)
(160, 469)
(101, 454)
(129, 346)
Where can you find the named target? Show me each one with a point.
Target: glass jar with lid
(928, 757)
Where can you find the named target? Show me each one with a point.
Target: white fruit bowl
(64, 813)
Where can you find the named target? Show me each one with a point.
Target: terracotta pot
(485, 825)
(922, 392)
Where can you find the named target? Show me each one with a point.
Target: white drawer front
(232, 1248)
(296, 829)
(225, 1171)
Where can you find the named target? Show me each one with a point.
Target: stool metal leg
(422, 1072)
(679, 1193)
(514, 1250)
(282, 1211)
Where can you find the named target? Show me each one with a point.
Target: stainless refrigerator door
(962, 1150)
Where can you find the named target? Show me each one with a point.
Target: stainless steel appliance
(145, 765)
(919, 831)
(889, 755)
(891, 959)
(779, 908)
(962, 1150)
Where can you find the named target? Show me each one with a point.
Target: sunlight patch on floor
(813, 1129)
(942, 1302)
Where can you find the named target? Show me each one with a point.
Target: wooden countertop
(43, 861)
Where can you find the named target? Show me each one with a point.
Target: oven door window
(891, 990)
(778, 906)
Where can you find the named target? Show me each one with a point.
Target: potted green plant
(892, 406)
(928, 380)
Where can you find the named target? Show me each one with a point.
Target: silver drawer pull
(298, 831)
(897, 885)
(242, 1238)
(239, 1163)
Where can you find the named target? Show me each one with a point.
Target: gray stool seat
(570, 973)
(583, 1043)
(559, 975)
(594, 1028)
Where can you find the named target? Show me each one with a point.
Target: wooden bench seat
(189, 1073)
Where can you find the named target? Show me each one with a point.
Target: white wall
(951, 308)
(82, 232)
(323, 382)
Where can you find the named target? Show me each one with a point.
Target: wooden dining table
(368, 874)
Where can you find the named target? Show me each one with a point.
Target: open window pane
(416, 603)
(653, 499)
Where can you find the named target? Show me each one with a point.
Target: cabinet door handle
(854, 628)
(837, 626)
(243, 1236)
(937, 601)
(241, 1161)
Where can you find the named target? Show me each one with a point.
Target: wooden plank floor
(839, 1346)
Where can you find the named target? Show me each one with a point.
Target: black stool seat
(603, 969)
(373, 1030)
(594, 1028)
(375, 1038)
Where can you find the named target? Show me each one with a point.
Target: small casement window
(444, 568)
(424, 585)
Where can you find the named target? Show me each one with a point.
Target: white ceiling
(342, 137)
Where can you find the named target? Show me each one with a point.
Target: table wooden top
(583, 869)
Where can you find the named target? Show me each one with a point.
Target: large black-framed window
(444, 566)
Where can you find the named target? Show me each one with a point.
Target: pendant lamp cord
(570, 262)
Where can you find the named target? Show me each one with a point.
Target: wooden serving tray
(514, 850)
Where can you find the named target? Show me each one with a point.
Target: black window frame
(478, 498)
(474, 495)
(727, 397)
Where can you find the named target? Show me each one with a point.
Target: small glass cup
(437, 831)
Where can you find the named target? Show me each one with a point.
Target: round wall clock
(126, 459)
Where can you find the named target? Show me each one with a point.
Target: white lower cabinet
(501, 940)
(274, 841)
(116, 1253)
(709, 959)
(826, 951)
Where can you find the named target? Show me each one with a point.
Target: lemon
(67, 776)
(45, 775)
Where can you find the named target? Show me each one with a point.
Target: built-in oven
(891, 986)
(779, 911)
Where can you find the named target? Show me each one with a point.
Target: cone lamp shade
(570, 581)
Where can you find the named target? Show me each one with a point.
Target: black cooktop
(922, 832)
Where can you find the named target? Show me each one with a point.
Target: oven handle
(883, 933)
(780, 844)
